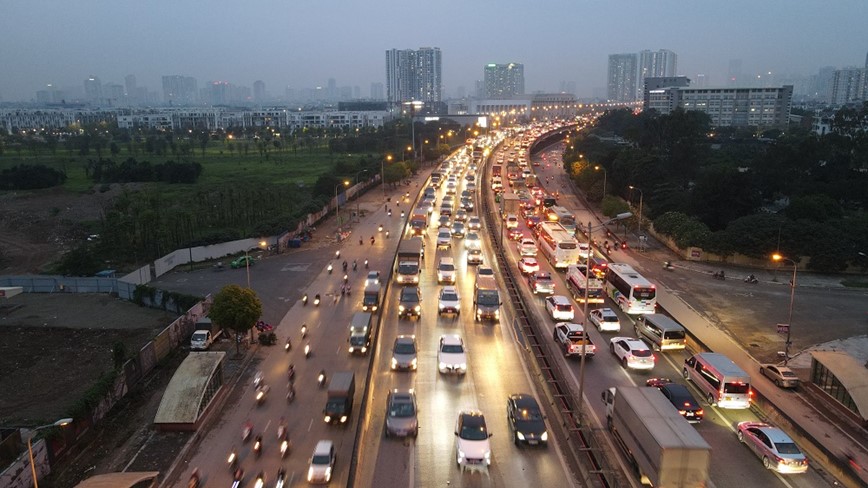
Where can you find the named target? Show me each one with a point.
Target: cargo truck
(206, 332)
(486, 299)
(496, 170)
(510, 203)
(339, 405)
(371, 298)
(662, 446)
(418, 224)
(408, 267)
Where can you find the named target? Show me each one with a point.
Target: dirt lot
(54, 346)
(38, 226)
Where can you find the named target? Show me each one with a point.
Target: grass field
(220, 166)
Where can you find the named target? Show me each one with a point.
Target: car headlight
(343, 418)
(462, 366)
(413, 363)
(328, 473)
(417, 308)
(351, 349)
(545, 436)
(401, 308)
(440, 306)
(328, 418)
(461, 454)
(519, 435)
(442, 365)
(364, 349)
(497, 314)
(310, 473)
(394, 363)
(488, 456)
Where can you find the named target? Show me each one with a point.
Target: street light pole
(641, 197)
(620, 216)
(778, 257)
(605, 174)
(358, 206)
(59, 423)
(338, 203)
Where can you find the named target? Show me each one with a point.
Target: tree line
(735, 190)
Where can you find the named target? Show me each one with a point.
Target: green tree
(236, 308)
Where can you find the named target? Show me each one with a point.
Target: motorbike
(355, 265)
(668, 266)
(321, 379)
(284, 447)
(719, 275)
(751, 279)
(402, 214)
(232, 460)
(366, 264)
(246, 431)
(257, 380)
(304, 300)
(307, 350)
(390, 213)
(338, 254)
(316, 300)
(304, 329)
(344, 267)
(372, 240)
(257, 445)
(261, 393)
(281, 478)
(288, 346)
(291, 373)
(290, 393)
(380, 228)
(260, 480)
(330, 268)
(281, 428)
(387, 234)
(237, 478)
(194, 479)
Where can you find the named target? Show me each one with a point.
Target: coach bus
(557, 244)
(630, 290)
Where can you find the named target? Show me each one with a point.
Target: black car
(680, 397)
(410, 304)
(526, 420)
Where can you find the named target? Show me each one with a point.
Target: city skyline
(161, 38)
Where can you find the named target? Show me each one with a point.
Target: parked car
(526, 420)
(773, 446)
(782, 376)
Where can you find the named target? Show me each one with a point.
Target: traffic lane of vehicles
(604, 371)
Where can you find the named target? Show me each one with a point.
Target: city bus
(562, 216)
(580, 286)
(557, 244)
(630, 290)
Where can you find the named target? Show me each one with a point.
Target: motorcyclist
(344, 266)
(194, 479)
(246, 430)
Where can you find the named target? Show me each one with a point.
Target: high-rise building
(377, 92)
(658, 64)
(848, 86)
(623, 69)
(179, 89)
(258, 91)
(93, 89)
(130, 86)
(113, 93)
(413, 75)
(503, 80)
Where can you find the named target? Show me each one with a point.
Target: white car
(449, 301)
(446, 271)
(605, 320)
(633, 353)
(373, 278)
(474, 256)
(526, 247)
(473, 449)
(474, 223)
(444, 238)
(472, 241)
(560, 308)
(321, 463)
(512, 221)
(451, 356)
(528, 265)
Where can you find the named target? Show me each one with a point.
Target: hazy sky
(303, 43)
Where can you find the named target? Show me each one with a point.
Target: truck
(205, 333)
(418, 223)
(408, 267)
(571, 338)
(665, 449)
(360, 333)
(371, 298)
(509, 204)
(496, 170)
(512, 171)
(577, 284)
(486, 299)
(339, 403)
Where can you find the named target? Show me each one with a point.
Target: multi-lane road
(496, 367)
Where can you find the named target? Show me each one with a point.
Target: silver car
(404, 353)
(401, 419)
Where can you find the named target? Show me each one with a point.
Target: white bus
(558, 245)
(561, 215)
(630, 290)
(724, 384)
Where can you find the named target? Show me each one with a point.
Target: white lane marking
(295, 267)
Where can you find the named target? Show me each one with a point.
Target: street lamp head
(62, 422)
(598, 167)
(623, 215)
(346, 182)
(777, 257)
(262, 243)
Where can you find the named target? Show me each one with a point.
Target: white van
(661, 332)
(722, 382)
